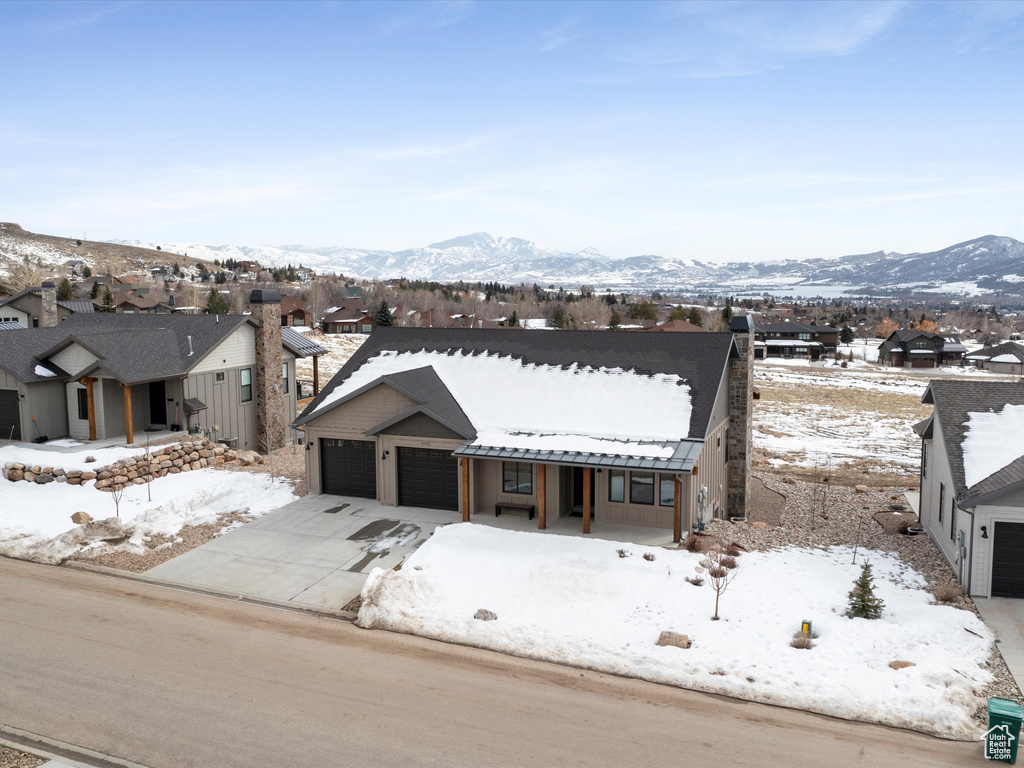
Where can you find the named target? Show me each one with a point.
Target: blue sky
(704, 130)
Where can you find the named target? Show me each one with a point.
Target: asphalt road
(170, 678)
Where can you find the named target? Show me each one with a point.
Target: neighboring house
(106, 375)
(920, 349)
(351, 316)
(627, 428)
(790, 339)
(294, 311)
(1002, 358)
(39, 308)
(305, 274)
(972, 482)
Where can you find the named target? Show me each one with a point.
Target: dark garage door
(349, 467)
(428, 478)
(1008, 560)
(10, 415)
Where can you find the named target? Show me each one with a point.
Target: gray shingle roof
(954, 400)
(698, 358)
(78, 305)
(133, 348)
(1006, 348)
(425, 387)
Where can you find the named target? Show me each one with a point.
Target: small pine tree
(108, 300)
(86, 271)
(557, 319)
(95, 291)
(695, 317)
(513, 322)
(846, 335)
(215, 303)
(383, 316)
(863, 604)
(615, 321)
(64, 290)
(677, 313)
(726, 313)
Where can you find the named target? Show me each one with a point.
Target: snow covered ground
(576, 601)
(65, 459)
(35, 520)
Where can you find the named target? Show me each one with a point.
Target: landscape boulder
(484, 615)
(44, 478)
(901, 664)
(674, 639)
(81, 517)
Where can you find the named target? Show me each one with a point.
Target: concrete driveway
(1005, 616)
(314, 553)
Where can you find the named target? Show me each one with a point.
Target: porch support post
(677, 512)
(91, 401)
(586, 499)
(542, 490)
(316, 375)
(128, 425)
(465, 489)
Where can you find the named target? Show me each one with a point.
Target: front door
(157, 404)
(576, 492)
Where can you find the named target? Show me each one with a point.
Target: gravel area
(11, 758)
(819, 515)
(766, 505)
(289, 462)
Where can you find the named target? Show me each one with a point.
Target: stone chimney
(741, 412)
(48, 316)
(270, 412)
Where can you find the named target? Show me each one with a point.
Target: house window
(641, 487)
(245, 377)
(667, 496)
(952, 523)
(924, 459)
(35, 322)
(617, 485)
(942, 499)
(284, 376)
(83, 404)
(517, 477)
(219, 377)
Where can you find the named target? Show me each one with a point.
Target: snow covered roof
(992, 441)
(574, 392)
(791, 343)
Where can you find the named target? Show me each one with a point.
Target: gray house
(624, 428)
(1007, 357)
(39, 308)
(972, 482)
(107, 375)
(911, 348)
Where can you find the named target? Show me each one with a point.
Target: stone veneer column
(741, 411)
(270, 412)
(48, 316)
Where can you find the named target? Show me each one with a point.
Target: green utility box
(1004, 718)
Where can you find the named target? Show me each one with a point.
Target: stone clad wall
(161, 461)
(741, 411)
(48, 315)
(270, 410)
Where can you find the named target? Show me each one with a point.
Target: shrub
(863, 603)
(649, 557)
(691, 543)
(727, 561)
(801, 641)
(946, 593)
(697, 581)
(733, 550)
(622, 553)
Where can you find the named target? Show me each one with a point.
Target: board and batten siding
(79, 428)
(224, 407)
(73, 359)
(350, 421)
(236, 351)
(45, 401)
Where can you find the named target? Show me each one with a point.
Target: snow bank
(575, 601)
(70, 459)
(35, 520)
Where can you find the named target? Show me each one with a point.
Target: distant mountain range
(989, 264)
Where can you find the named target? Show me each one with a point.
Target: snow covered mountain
(987, 264)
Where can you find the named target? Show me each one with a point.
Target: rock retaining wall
(161, 461)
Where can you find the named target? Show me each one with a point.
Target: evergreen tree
(215, 303)
(695, 317)
(677, 313)
(557, 319)
(383, 316)
(108, 300)
(513, 322)
(64, 290)
(846, 335)
(615, 321)
(726, 313)
(863, 604)
(95, 291)
(86, 271)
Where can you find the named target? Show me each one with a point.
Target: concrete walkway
(317, 551)
(1005, 616)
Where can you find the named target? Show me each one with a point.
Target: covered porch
(651, 499)
(104, 410)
